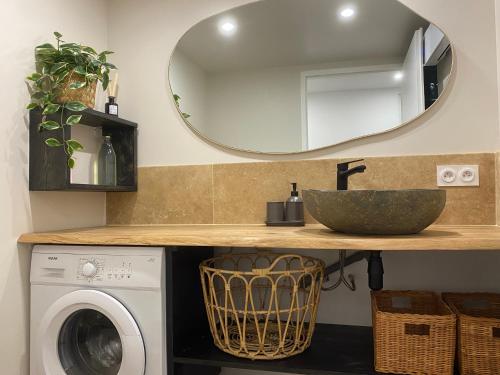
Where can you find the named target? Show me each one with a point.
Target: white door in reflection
(412, 93)
(343, 106)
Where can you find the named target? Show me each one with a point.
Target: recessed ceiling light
(398, 76)
(227, 27)
(347, 12)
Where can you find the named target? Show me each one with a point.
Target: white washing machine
(98, 311)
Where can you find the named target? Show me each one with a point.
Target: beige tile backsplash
(237, 193)
(167, 195)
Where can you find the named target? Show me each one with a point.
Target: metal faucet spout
(343, 173)
(349, 172)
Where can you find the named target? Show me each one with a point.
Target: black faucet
(343, 173)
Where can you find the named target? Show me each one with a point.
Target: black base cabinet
(335, 349)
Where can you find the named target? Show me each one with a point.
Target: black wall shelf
(48, 170)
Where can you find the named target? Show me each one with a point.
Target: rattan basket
(262, 306)
(478, 331)
(86, 94)
(414, 333)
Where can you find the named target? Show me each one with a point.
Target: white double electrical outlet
(457, 175)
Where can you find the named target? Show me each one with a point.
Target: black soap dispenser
(294, 208)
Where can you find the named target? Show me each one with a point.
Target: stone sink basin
(389, 212)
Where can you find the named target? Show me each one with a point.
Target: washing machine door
(88, 332)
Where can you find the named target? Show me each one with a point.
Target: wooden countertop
(436, 237)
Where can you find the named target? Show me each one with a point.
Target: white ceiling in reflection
(301, 32)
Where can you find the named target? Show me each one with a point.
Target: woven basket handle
(417, 329)
(495, 332)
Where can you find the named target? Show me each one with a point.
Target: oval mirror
(286, 76)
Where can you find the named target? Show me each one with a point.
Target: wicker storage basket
(414, 333)
(478, 331)
(262, 306)
(86, 94)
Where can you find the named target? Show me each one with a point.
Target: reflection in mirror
(284, 76)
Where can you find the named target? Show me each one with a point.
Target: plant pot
(86, 94)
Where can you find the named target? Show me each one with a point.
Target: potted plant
(66, 78)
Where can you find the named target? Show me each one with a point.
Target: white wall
(145, 36)
(497, 18)
(26, 23)
(336, 116)
(256, 110)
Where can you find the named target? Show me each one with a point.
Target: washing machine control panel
(104, 269)
(98, 266)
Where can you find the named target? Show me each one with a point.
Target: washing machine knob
(89, 269)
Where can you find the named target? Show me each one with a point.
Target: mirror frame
(213, 142)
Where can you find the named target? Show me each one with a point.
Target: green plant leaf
(71, 162)
(177, 98)
(103, 56)
(45, 51)
(38, 95)
(73, 119)
(109, 65)
(89, 50)
(74, 145)
(186, 115)
(34, 77)
(75, 106)
(105, 81)
(77, 85)
(50, 125)
(31, 106)
(57, 34)
(80, 70)
(70, 45)
(96, 64)
(52, 142)
(57, 67)
(45, 45)
(61, 76)
(51, 108)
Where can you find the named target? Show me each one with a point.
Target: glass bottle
(106, 168)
